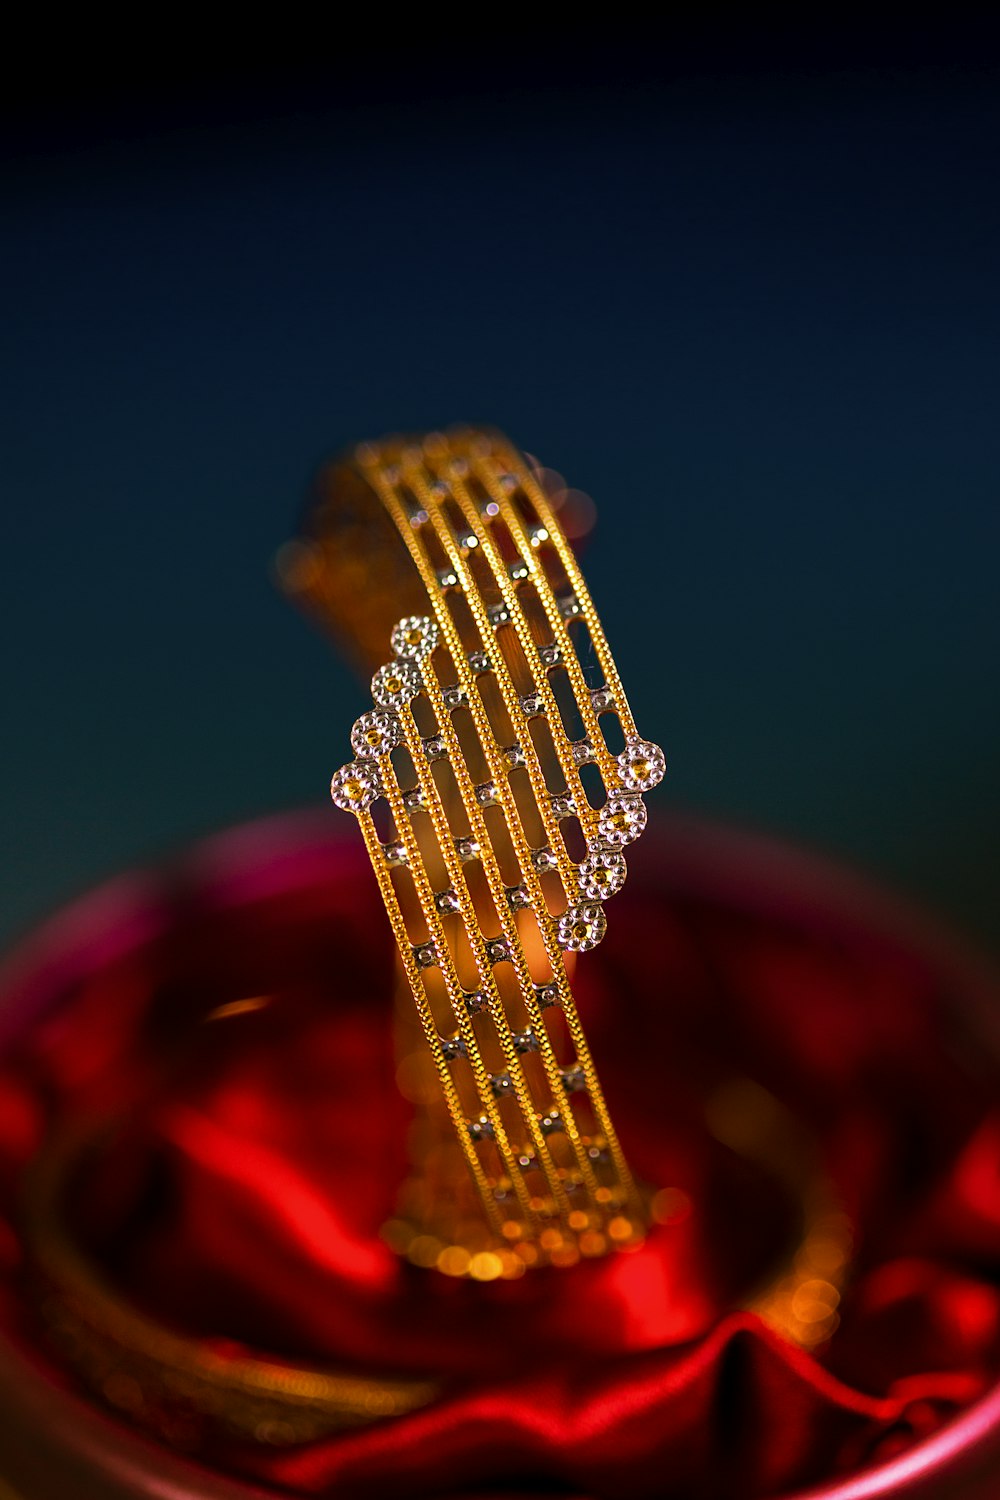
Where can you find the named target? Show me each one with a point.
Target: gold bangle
(509, 809)
(187, 1393)
(180, 1386)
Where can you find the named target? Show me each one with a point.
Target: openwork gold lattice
(497, 781)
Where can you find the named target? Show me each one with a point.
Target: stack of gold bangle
(496, 804)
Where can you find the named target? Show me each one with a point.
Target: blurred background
(740, 284)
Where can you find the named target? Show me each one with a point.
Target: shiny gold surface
(176, 1385)
(517, 1092)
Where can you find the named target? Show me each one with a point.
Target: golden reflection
(237, 1008)
(801, 1301)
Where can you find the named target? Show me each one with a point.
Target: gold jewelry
(510, 807)
(800, 1296)
(175, 1384)
(185, 1391)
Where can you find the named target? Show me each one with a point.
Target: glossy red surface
(255, 1156)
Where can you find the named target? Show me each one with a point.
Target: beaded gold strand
(499, 854)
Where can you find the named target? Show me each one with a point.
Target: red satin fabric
(240, 1195)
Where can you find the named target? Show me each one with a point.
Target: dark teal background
(754, 314)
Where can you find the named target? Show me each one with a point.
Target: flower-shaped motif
(641, 765)
(356, 786)
(602, 873)
(395, 684)
(622, 819)
(414, 637)
(582, 927)
(375, 734)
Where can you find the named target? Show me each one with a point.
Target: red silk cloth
(256, 1156)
